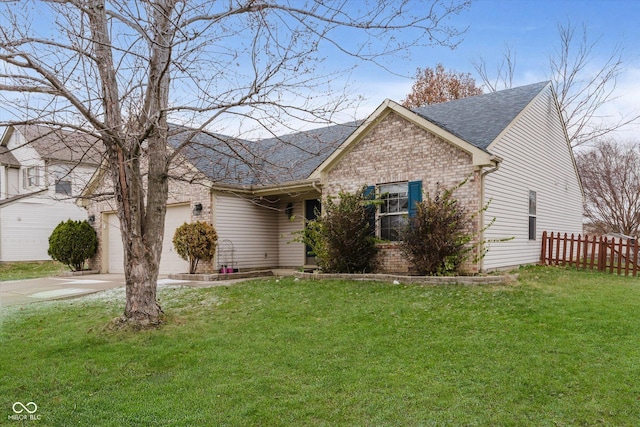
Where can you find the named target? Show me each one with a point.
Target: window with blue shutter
(397, 202)
(370, 194)
(415, 196)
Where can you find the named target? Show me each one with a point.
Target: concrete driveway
(17, 292)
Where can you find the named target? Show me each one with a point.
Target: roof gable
(7, 158)
(61, 144)
(480, 119)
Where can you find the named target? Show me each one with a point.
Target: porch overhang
(292, 187)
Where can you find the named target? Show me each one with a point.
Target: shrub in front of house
(435, 240)
(72, 243)
(341, 238)
(194, 242)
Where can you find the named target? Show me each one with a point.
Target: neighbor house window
(532, 214)
(63, 181)
(30, 177)
(396, 206)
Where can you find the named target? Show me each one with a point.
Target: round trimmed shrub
(72, 243)
(194, 242)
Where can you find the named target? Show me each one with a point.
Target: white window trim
(380, 214)
(30, 177)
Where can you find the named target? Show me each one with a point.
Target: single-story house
(42, 171)
(511, 145)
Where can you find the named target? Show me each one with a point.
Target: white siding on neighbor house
(79, 175)
(4, 177)
(535, 157)
(25, 227)
(13, 186)
(291, 253)
(27, 156)
(252, 229)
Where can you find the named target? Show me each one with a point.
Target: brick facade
(397, 150)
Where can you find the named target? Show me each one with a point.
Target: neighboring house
(511, 145)
(42, 171)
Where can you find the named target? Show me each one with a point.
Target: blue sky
(529, 28)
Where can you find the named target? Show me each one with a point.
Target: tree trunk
(142, 308)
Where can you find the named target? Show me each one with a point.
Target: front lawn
(558, 348)
(30, 270)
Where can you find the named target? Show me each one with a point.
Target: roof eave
(299, 186)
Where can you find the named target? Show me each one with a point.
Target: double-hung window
(30, 177)
(63, 181)
(396, 204)
(394, 209)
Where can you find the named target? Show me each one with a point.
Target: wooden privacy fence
(619, 256)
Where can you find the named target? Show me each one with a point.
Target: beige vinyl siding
(535, 157)
(252, 229)
(291, 253)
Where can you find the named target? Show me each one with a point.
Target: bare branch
(610, 174)
(584, 84)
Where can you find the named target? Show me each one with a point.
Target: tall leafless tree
(121, 71)
(610, 174)
(585, 85)
(432, 86)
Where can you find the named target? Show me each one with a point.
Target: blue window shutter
(370, 194)
(415, 196)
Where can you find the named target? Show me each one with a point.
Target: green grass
(558, 348)
(30, 270)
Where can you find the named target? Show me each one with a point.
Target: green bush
(341, 239)
(73, 242)
(194, 242)
(435, 240)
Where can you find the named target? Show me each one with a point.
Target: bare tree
(610, 174)
(432, 86)
(121, 71)
(585, 88)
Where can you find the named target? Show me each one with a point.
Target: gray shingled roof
(479, 119)
(62, 144)
(7, 158)
(221, 158)
(277, 160)
(293, 157)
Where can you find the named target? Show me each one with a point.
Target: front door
(312, 208)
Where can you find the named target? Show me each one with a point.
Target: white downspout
(496, 160)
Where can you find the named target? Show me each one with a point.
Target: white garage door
(170, 261)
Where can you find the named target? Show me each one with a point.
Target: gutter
(265, 190)
(496, 161)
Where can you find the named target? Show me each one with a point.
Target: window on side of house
(62, 177)
(30, 177)
(532, 214)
